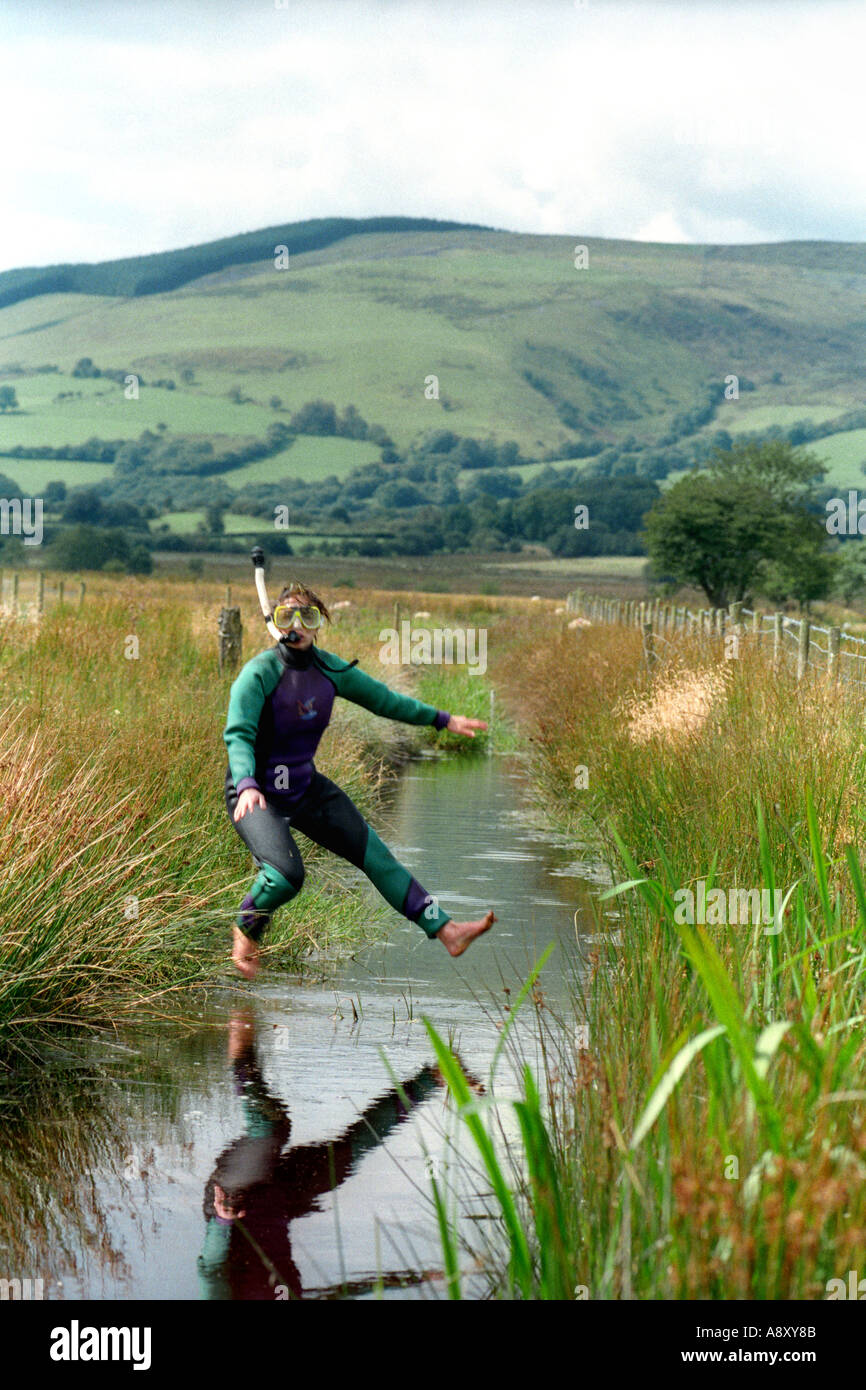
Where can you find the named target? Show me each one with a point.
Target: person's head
(309, 609)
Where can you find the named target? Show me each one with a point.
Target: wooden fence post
(40, 592)
(777, 639)
(82, 590)
(648, 644)
(230, 638)
(803, 649)
(834, 642)
(735, 621)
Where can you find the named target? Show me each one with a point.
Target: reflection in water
(256, 1189)
(61, 1125)
(106, 1157)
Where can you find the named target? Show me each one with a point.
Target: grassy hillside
(168, 270)
(525, 345)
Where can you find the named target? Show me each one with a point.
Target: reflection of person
(256, 1190)
(279, 707)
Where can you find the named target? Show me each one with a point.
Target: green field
(738, 417)
(33, 475)
(186, 523)
(236, 524)
(310, 457)
(104, 411)
(843, 455)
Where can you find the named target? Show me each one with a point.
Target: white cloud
(656, 121)
(662, 227)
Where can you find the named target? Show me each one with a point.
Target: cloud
(137, 128)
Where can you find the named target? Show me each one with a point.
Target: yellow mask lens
(285, 613)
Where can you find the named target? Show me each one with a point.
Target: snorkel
(280, 621)
(258, 559)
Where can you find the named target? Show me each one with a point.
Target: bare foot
(456, 936)
(245, 954)
(242, 1033)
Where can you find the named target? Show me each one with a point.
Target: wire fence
(797, 642)
(32, 597)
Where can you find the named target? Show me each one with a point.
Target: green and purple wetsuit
(279, 707)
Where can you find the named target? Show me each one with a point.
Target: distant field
(311, 457)
(843, 454)
(589, 567)
(104, 411)
(186, 523)
(33, 475)
(739, 416)
(236, 524)
(467, 574)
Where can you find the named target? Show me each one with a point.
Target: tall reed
(710, 1140)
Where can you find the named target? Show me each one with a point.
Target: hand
(224, 1206)
(459, 724)
(249, 798)
(471, 1080)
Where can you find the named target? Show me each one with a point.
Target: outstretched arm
(317, 1168)
(355, 685)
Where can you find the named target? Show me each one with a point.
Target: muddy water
(282, 1096)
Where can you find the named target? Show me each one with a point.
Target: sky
(133, 126)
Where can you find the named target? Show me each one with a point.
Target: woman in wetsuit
(279, 707)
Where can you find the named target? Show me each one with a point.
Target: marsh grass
(710, 1141)
(120, 874)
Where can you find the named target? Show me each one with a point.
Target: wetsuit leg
(267, 836)
(330, 818)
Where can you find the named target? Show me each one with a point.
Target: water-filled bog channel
(267, 1153)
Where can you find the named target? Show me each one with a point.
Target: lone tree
(213, 522)
(8, 398)
(750, 517)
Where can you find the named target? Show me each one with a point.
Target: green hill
(524, 345)
(168, 270)
(621, 363)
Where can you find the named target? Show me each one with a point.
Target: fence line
(11, 595)
(842, 655)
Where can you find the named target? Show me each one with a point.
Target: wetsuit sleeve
(324, 1165)
(361, 689)
(246, 701)
(213, 1260)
